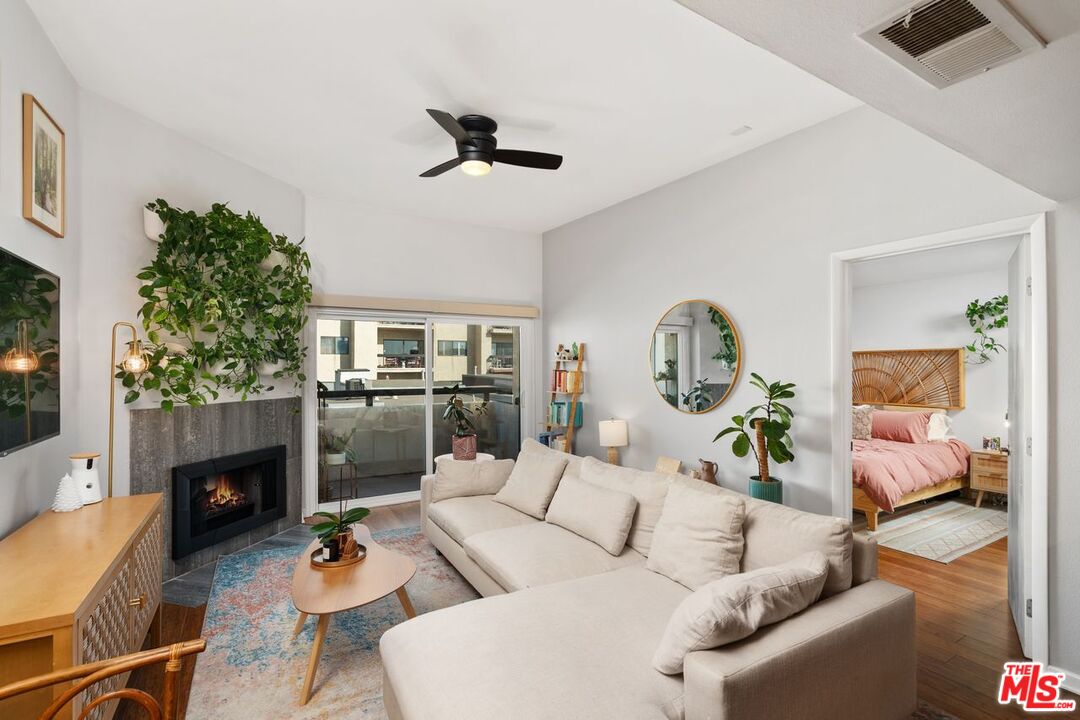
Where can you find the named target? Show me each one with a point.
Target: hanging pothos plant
(224, 306)
(985, 317)
(728, 354)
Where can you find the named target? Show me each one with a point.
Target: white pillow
(461, 478)
(698, 538)
(734, 607)
(939, 428)
(862, 422)
(573, 462)
(593, 512)
(649, 488)
(532, 483)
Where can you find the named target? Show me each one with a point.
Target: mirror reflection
(695, 356)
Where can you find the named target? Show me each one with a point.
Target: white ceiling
(330, 96)
(982, 256)
(1021, 119)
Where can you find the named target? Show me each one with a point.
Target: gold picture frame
(44, 168)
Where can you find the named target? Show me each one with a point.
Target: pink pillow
(909, 427)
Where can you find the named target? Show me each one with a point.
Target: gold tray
(318, 562)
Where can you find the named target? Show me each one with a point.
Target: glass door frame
(527, 375)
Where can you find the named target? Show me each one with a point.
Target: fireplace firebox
(220, 498)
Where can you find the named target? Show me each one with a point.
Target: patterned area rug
(944, 532)
(253, 668)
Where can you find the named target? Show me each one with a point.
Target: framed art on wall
(44, 196)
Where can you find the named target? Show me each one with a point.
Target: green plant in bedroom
(699, 398)
(769, 422)
(984, 318)
(224, 306)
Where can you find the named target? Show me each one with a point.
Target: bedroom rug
(253, 668)
(945, 531)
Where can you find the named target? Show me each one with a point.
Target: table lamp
(613, 435)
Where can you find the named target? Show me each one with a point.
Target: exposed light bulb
(20, 363)
(134, 359)
(475, 168)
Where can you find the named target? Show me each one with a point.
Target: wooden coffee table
(325, 592)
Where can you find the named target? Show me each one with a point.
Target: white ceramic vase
(153, 228)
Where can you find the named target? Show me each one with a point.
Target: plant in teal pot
(769, 422)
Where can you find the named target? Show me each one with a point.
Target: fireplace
(220, 498)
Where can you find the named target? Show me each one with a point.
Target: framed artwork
(44, 196)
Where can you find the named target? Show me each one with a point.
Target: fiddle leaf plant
(769, 422)
(213, 314)
(985, 317)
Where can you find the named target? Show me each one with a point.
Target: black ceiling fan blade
(440, 169)
(529, 159)
(450, 124)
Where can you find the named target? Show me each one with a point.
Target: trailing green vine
(985, 317)
(728, 354)
(213, 317)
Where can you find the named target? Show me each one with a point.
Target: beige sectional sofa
(566, 630)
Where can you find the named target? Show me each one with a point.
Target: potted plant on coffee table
(464, 440)
(770, 423)
(336, 534)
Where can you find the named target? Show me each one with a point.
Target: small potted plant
(336, 534)
(699, 399)
(464, 440)
(770, 423)
(338, 450)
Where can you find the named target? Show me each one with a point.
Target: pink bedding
(886, 470)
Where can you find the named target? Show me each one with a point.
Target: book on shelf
(567, 381)
(559, 414)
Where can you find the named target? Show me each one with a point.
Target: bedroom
(938, 358)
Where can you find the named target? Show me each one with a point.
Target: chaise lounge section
(568, 630)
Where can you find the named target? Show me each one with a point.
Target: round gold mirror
(695, 356)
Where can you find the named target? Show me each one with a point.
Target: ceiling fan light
(475, 168)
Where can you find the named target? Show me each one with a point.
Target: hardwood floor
(965, 630)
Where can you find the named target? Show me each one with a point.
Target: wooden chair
(91, 673)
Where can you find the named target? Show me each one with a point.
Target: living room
(487, 375)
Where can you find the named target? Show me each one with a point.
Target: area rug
(945, 531)
(252, 668)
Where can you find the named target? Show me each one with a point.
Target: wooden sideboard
(76, 588)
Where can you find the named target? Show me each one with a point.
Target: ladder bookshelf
(567, 380)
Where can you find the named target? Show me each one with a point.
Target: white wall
(930, 314)
(127, 161)
(29, 63)
(358, 250)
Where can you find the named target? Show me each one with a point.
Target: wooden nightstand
(989, 473)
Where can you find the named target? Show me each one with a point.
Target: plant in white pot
(770, 423)
(338, 449)
(464, 440)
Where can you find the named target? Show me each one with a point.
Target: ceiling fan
(476, 146)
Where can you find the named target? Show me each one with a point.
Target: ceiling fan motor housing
(481, 131)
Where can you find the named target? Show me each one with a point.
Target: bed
(887, 474)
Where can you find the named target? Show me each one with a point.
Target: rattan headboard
(909, 378)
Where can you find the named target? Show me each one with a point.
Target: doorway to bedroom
(939, 355)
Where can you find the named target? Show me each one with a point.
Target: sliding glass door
(382, 385)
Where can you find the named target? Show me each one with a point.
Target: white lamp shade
(613, 433)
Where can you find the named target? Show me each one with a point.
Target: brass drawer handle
(138, 602)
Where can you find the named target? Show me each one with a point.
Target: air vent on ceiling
(945, 41)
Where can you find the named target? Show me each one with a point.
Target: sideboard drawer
(105, 632)
(147, 557)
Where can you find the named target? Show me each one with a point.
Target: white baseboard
(1072, 680)
(395, 499)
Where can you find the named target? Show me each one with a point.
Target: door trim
(840, 397)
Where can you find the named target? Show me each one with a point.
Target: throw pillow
(649, 488)
(461, 478)
(939, 428)
(909, 427)
(698, 538)
(862, 422)
(593, 512)
(532, 483)
(573, 462)
(734, 607)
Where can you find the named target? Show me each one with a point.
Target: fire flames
(225, 495)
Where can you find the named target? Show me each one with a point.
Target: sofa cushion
(461, 478)
(541, 553)
(573, 462)
(462, 517)
(532, 483)
(734, 607)
(649, 488)
(572, 651)
(593, 512)
(699, 537)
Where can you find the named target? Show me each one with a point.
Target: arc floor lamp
(133, 361)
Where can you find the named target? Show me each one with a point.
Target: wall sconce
(133, 361)
(21, 359)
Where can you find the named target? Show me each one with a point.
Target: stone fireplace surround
(161, 441)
